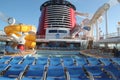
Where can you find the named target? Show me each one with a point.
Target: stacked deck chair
(105, 61)
(55, 61)
(55, 73)
(113, 70)
(5, 59)
(13, 72)
(68, 62)
(3, 68)
(42, 61)
(16, 60)
(28, 61)
(116, 60)
(96, 73)
(34, 72)
(81, 61)
(93, 61)
(76, 73)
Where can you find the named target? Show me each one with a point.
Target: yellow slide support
(17, 29)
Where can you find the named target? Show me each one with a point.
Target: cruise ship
(60, 49)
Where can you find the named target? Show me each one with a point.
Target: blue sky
(28, 11)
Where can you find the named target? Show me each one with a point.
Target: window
(57, 31)
(111, 46)
(52, 31)
(102, 45)
(62, 31)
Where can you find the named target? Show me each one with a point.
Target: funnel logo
(57, 36)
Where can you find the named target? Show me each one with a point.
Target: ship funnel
(58, 1)
(56, 14)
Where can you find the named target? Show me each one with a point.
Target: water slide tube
(25, 34)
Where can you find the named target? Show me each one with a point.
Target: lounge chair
(68, 62)
(29, 60)
(76, 72)
(42, 61)
(96, 72)
(55, 73)
(5, 59)
(3, 67)
(81, 61)
(55, 62)
(16, 60)
(113, 70)
(105, 61)
(13, 72)
(34, 72)
(93, 61)
(116, 60)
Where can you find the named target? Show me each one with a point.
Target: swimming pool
(58, 53)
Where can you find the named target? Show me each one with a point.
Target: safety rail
(110, 35)
(43, 37)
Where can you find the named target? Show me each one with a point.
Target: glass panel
(62, 31)
(52, 31)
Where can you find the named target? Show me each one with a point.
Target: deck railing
(110, 35)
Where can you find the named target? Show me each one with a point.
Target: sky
(28, 11)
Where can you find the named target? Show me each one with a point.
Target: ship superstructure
(57, 23)
(57, 19)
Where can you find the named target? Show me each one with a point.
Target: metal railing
(110, 35)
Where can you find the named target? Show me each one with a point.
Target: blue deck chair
(81, 62)
(5, 59)
(42, 61)
(3, 67)
(116, 60)
(55, 62)
(96, 72)
(34, 72)
(113, 70)
(16, 60)
(55, 73)
(10, 49)
(93, 61)
(78, 79)
(76, 72)
(29, 60)
(105, 61)
(68, 62)
(14, 71)
(104, 79)
(7, 78)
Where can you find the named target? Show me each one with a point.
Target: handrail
(110, 35)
